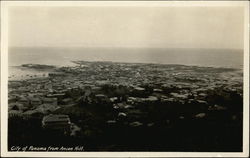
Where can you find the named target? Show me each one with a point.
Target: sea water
(60, 56)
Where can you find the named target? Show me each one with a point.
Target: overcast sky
(165, 27)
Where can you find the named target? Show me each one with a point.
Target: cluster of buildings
(128, 85)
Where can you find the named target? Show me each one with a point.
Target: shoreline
(132, 63)
(34, 71)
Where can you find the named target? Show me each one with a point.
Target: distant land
(38, 66)
(229, 58)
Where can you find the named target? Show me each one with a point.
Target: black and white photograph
(125, 78)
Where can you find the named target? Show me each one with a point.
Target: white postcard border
(4, 79)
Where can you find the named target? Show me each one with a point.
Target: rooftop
(56, 118)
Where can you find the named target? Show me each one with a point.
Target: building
(57, 122)
(35, 101)
(100, 98)
(50, 101)
(24, 101)
(59, 96)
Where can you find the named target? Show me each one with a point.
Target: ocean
(63, 56)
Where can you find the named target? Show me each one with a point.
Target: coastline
(33, 72)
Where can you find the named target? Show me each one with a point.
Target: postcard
(124, 79)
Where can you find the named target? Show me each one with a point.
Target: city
(109, 106)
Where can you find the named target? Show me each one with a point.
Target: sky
(157, 27)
